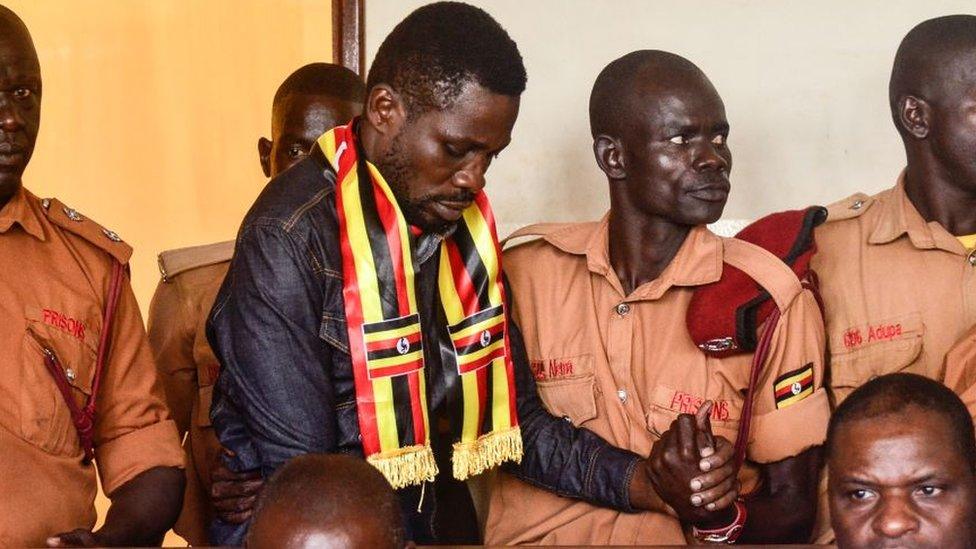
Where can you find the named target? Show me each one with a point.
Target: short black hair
(323, 79)
(328, 490)
(894, 393)
(429, 57)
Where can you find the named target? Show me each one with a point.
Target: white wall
(804, 83)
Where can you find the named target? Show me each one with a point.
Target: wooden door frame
(348, 35)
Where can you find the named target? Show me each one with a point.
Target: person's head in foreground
(327, 501)
(442, 98)
(901, 454)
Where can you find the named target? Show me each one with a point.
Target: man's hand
(693, 471)
(233, 494)
(75, 538)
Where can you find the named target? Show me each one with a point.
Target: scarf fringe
(487, 452)
(406, 466)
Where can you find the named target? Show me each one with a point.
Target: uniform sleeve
(960, 370)
(133, 431)
(791, 409)
(171, 340)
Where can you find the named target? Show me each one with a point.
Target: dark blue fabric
(286, 385)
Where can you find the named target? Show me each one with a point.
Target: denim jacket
(286, 388)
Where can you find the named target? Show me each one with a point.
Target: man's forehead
(477, 114)
(896, 446)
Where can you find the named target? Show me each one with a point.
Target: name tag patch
(794, 386)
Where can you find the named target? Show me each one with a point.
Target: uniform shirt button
(972, 258)
(622, 395)
(857, 204)
(623, 309)
(70, 374)
(567, 419)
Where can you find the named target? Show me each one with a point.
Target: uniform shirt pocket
(861, 353)
(668, 403)
(573, 399)
(45, 419)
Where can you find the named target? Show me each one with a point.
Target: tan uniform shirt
(188, 368)
(898, 292)
(624, 366)
(56, 269)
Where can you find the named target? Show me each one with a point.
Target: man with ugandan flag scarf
(365, 310)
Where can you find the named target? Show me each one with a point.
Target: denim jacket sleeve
(561, 457)
(274, 399)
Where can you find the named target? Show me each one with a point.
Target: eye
(23, 93)
(719, 140)
(296, 151)
(860, 495)
(453, 151)
(929, 491)
(678, 140)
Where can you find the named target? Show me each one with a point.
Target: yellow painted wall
(151, 111)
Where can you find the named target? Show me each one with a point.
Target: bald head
(311, 101)
(627, 84)
(320, 500)
(13, 28)
(936, 62)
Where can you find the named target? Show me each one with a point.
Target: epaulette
(536, 230)
(75, 223)
(180, 260)
(850, 207)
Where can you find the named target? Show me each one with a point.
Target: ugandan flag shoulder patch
(793, 386)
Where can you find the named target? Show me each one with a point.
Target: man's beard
(399, 171)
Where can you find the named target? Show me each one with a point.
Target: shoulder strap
(174, 262)
(77, 224)
(83, 417)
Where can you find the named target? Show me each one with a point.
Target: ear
(609, 155)
(915, 116)
(385, 110)
(264, 155)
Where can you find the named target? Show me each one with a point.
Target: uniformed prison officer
(603, 308)
(311, 100)
(897, 270)
(78, 380)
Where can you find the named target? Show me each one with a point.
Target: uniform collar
(22, 209)
(698, 261)
(898, 216)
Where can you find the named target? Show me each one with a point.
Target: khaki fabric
(56, 269)
(188, 367)
(898, 292)
(624, 367)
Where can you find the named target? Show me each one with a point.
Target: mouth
(10, 155)
(718, 192)
(451, 210)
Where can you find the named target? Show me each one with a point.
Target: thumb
(703, 425)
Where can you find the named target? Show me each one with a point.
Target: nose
(472, 176)
(895, 519)
(709, 159)
(10, 119)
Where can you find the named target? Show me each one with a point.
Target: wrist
(641, 492)
(726, 532)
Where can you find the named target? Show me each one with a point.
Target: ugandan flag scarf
(385, 339)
